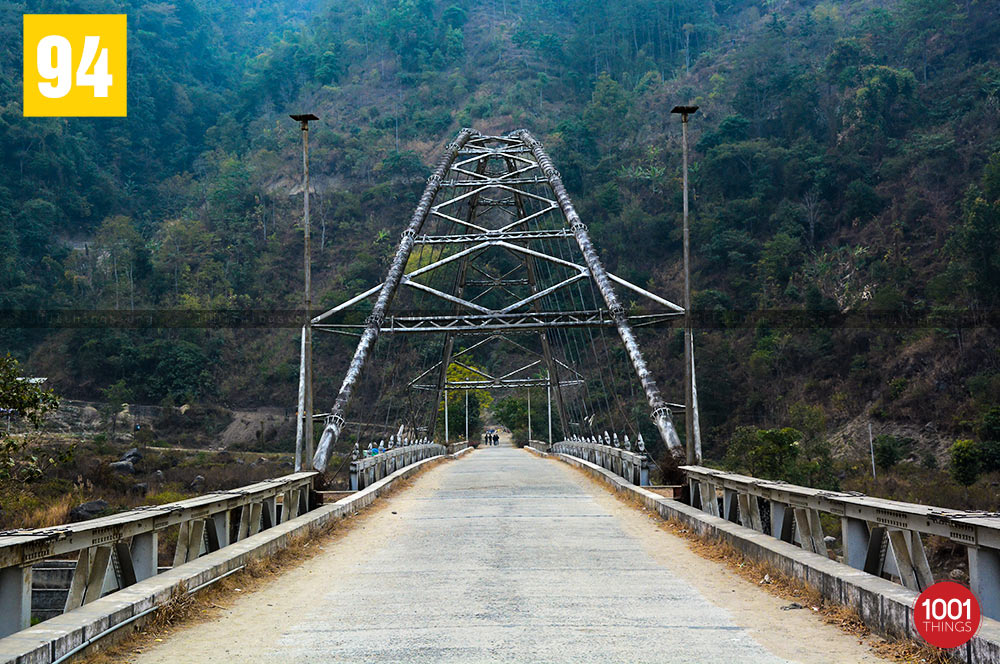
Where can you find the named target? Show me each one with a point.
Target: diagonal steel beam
(660, 412)
(335, 422)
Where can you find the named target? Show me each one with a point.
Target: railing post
(643, 471)
(984, 579)
(709, 501)
(269, 519)
(854, 533)
(354, 476)
(750, 512)
(730, 505)
(221, 521)
(15, 599)
(781, 521)
(254, 525)
(144, 554)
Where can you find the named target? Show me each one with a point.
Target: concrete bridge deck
(506, 557)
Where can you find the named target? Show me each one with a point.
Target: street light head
(307, 117)
(684, 110)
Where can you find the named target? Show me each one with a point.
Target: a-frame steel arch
(497, 194)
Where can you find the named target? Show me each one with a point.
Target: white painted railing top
(611, 453)
(20, 547)
(127, 542)
(880, 536)
(390, 457)
(965, 527)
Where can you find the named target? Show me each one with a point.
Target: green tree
(21, 397)
(512, 412)
(989, 435)
(765, 453)
(116, 397)
(965, 461)
(977, 242)
(810, 420)
(889, 450)
(878, 108)
(119, 244)
(479, 399)
(609, 104)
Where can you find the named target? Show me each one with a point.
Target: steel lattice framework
(494, 195)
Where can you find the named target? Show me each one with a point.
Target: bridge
(496, 553)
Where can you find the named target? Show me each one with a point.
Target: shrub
(888, 450)
(965, 462)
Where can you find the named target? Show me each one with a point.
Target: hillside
(841, 163)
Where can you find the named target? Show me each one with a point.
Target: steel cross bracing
(488, 243)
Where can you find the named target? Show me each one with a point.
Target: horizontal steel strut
(482, 323)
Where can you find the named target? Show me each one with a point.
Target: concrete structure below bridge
(506, 557)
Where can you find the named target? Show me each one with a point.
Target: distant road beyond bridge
(506, 557)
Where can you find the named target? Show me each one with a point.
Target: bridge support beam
(984, 579)
(15, 599)
(854, 533)
(144, 551)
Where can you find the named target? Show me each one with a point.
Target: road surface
(505, 557)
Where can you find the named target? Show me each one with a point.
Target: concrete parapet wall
(885, 607)
(455, 448)
(53, 639)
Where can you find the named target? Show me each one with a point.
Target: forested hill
(846, 157)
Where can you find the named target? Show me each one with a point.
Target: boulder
(158, 476)
(197, 483)
(133, 455)
(122, 467)
(87, 510)
(89, 415)
(139, 488)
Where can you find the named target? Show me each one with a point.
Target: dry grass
(54, 513)
(778, 583)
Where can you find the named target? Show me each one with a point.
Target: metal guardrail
(611, 454)
(370, 468)
(881, 537)
(116, 551)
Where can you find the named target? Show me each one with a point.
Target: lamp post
(304, 428)
(693, 454)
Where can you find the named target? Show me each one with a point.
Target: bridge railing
(368, 469)
(116, 551)
(620, 459)
(881, 537)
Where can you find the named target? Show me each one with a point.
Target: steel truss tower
(496, 195)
